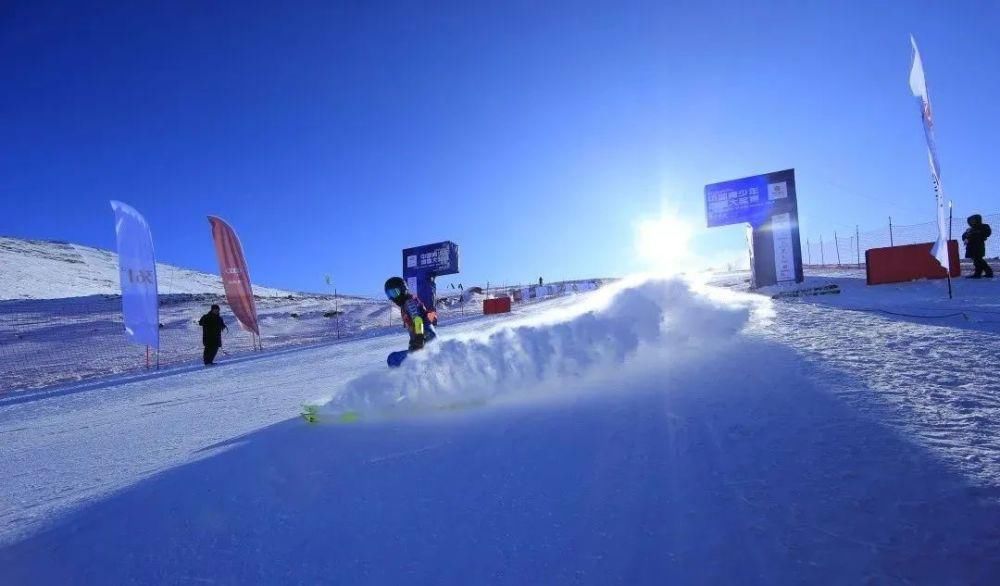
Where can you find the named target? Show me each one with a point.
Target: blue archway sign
(768, 203)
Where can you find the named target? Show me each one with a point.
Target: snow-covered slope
(38, 269)
(651, 433)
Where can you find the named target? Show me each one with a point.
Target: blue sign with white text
(440, 258)
(421, 264)
(751, 200)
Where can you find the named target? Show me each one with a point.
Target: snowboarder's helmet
(395, 288)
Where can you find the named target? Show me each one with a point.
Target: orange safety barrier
(498, 305)
(897, 264)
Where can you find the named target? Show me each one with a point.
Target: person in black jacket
(211, 333)
(975, 246)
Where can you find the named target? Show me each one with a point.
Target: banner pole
(947, 248)
(147, 356)
(949, 219)
(857, 243)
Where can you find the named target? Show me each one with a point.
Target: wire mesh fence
(839, 249)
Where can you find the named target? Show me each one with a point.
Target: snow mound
(666, 320)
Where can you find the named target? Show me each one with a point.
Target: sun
(663, 243)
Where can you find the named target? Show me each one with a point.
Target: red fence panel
(498, 305)
(897, 264)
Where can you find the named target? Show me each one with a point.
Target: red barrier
(897, 264)
(498, 305)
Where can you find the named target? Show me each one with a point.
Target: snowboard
(396, 359)
(312, 415)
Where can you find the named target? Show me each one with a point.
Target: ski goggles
(394, 293)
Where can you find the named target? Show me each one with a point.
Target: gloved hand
(416, 342)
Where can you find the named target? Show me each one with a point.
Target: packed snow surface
(653, 432)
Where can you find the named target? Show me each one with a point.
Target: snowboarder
(975, 246)
(418, 321)
(211, 333)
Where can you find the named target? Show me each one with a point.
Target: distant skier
(418, 320)
(211, 333)
(975, 246)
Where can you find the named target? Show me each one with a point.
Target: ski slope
(652, 432)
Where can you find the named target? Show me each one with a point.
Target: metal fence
(840, 249)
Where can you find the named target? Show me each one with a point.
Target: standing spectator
(975, 246)
(211, 333)
(540, 282)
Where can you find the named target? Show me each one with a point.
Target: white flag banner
(137, 273)
(918, 85)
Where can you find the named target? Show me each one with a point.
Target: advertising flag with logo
(137, 275)
(918, 85)
(235, 276)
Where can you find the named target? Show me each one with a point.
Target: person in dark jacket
(211, 333)
(975, 246)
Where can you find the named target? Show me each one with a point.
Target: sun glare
(663, 243)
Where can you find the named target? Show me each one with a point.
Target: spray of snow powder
(602, 335)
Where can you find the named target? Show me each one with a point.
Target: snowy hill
(40, 269)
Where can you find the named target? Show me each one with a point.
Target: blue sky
(536, 135)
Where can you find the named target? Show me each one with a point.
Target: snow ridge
(590, 340)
